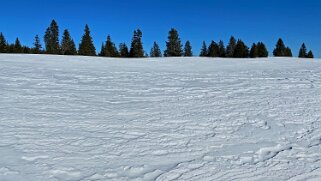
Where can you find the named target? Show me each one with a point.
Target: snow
(89, 118)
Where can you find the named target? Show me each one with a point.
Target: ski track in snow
(82, 118)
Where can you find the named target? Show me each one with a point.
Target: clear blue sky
(296, 21)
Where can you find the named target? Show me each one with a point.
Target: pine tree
(303, 51)
(204, 51)
(102, 50)
(281, 50)
(188, 49)
(110, 49)
(231, 47)
(123, 50)
(213, 50)
(254, 51)
(173, 45)
(37, 48)
(262, 50)
(52, 38)
(3, 44)
(310, 54)
(241, 50)
(136, 48)
(68, 46)
(288, 52)
(86, 47)
(17, 46)
(221, 47)
(155, 51)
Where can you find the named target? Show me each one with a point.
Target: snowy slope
(80, 118)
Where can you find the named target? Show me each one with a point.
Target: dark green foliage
(241, 50)
(310, 54)
(3, 44)
(68, 46)
(188, 49)
(221, 47)
(262, 50)
(102, 50)
(281, 50)
(26, 50)
(123, 50)
(52, 38)
(254, 51)
(231, 47)
(37, 48)
(86, 47)
(136, 48)
(204, 50)
(288, 52)
(213, 50)
(17, 46)
(155, 51)
(303, 51)
(173, 45)
(109, 49)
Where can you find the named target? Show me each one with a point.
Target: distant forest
(174, 47)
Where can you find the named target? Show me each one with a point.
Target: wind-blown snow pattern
(88, 118)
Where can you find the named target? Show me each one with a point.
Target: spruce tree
(288, 52)
(221, 47)
(254, 51)
(110, 49)
(17, 46)
(37, 48)
(310, 54)
(136, 48)
(155, 51)
(102, 50)
(68, 46)
(303, 51)
(241, 50)
(188, 49)
(123, 50)
(213, 49)
(262, 50)
(231, 47)
(51, 38)
(204, 51)
(86, 46)
(3, 44)
(173, 45)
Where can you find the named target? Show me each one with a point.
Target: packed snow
(89, 118)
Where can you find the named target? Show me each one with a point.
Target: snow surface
(88, 118)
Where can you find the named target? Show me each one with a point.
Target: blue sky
(296, 21)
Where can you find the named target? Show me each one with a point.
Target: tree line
(174, 47)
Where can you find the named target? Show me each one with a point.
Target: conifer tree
(102, 50)
(37, 48)
(110, 49)
(17, 46)
(86, 46)
(173, 45)
(254, 51)
(68, 46)
(231, 47)
(213, 49)
(52, 38)
(221, 47)
(204, 51)
(241, 50)
(3, 44)
(188, 49)
(310, 54)
(303, 51)
(288, 52)
(155, 51)
(123, 50)
(262, 50)
(136, 48)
